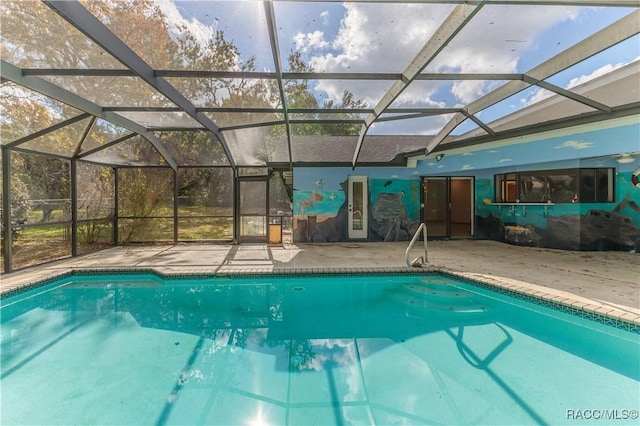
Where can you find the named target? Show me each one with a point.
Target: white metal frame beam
(620, 30)
(74, 13)
(13, 73)
(275, 50)
(451, 26)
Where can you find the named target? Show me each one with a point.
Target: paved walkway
(607, 278)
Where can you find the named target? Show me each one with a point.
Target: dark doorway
(447, 206)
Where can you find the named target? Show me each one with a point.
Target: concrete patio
(605, 279)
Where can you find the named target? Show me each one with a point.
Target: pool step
(445, 306)
(423, 298)
(438, 292)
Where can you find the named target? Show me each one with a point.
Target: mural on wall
(573, 226)
(321, 213)
(601, 143)
(551, 220)
(395, 209)
(561, 224)
(316, 213)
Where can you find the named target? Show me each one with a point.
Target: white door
(358, 203)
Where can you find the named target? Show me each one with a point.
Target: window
(506, 188)
(557, 186)
(596, 186)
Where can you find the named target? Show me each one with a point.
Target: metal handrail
(418, 261)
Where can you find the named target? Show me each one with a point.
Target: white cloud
(574, 145)
(419, 94)
(537, 96)
(386, 37)
(467, 167)
(541, 94)
(504, 160)
(310, 41)
(174, 19)
(469, 90)
(377, 38)
(495, 39)
(351, 44)
(325, 17)
(597, 73)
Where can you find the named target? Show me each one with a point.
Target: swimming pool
(384, 349)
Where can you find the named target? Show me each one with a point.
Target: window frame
(520, 187)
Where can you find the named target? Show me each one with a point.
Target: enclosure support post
(115, 206)
(6, 209)
(175, 206)
(236, 207)
(74, 207)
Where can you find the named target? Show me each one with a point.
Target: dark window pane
(253, 197)
(563, 187)
(279, 200)
(604, 186)
(557, 186)
(505, 191)
(587, 185)
(533, 188)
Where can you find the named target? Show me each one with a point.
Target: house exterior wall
(575, 226)
(321, 192)
(320, 203)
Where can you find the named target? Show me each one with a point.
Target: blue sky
(376, 37)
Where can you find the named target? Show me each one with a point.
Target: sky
(384, 38)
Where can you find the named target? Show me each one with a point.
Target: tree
(142, 194)
(48, 178)
(20, 201)
(95, 201)
(299, 95)
(209, 186)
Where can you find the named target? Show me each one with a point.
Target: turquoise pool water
(371, 350)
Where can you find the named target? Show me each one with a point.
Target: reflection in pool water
(133, 349)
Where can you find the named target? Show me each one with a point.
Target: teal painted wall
(319, 191)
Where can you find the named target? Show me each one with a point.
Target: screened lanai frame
(165, 95)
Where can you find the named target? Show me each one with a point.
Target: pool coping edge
(556, 299)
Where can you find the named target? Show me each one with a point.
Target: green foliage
(299, 95)
(141, 193)
(45, 177)
(95, 202)
(92, 232)
(20, 201)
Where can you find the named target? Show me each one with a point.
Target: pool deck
(607, 283)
